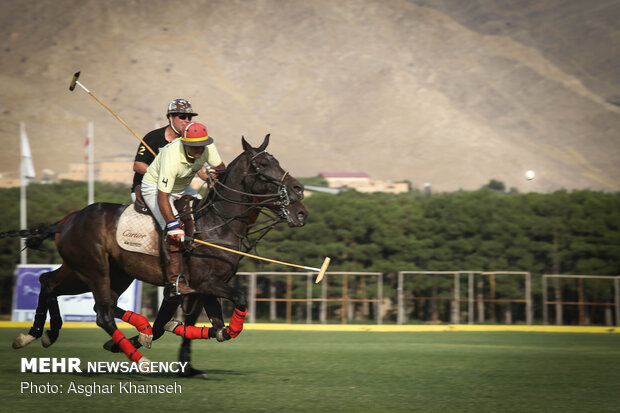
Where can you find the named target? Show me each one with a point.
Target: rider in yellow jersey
(166, 180)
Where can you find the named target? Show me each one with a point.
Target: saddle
(137, 230)
(140, 205)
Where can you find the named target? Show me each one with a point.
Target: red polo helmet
(195, 134)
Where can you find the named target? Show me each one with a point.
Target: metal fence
(425, 296)
(474, 295)
(586, 308)
(313, 300)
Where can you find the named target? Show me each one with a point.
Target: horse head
(272, 186)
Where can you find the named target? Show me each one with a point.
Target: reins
(282, 200)
(219, 187)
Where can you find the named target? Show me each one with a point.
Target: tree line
(563, 232)
(574, 232)
(487, 230)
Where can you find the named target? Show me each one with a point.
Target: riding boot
(177, 281)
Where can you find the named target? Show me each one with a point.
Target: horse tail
(35, 236)
(45, 231)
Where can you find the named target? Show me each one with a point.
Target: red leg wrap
(138, 321)
(125, 345)
(236, 323)
(192, 332)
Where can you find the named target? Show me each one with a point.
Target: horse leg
(185, 350)
(105, 320)
(235, 326)
(36, 331)
(165, 313)
(213, 308)
(120, 281)
(188, 331)
(104, 307)
(53, 283)
(50, 336)
(145, 336)
(217, 288)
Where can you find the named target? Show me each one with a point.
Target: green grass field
(292, 371)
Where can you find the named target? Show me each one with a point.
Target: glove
(175, 231)
(209, 170)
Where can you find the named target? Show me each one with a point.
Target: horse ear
(246, 146)
(265, 143)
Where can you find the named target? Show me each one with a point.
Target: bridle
(280, 199)
(282, 195)
(277, 201)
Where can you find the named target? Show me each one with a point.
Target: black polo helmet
(180, 106)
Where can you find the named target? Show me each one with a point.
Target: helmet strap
(172, 126)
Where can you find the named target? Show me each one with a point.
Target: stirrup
(175, 292)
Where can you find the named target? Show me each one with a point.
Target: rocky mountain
(449, 92)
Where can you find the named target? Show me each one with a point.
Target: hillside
(447, 92)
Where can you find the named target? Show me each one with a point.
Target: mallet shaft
(83, 87)
(75, 81)
(122, 121)
(321, 270)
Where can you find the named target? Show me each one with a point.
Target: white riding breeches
(149, 193)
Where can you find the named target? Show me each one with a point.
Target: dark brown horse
(93, 261)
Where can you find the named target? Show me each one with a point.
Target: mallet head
(74, 81)
(321, 273)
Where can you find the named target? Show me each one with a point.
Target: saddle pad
(136, 232)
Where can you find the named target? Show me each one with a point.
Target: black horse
(93, 260)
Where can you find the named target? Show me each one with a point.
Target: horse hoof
(220, 336)
(146, 339)
(146, 363)
(22, 340)
(46, 341)
(172, 325)
(111, 346)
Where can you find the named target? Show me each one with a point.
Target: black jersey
(155, 139)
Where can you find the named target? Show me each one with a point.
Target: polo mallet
(321, 271)
(319, 277)
(75, 81)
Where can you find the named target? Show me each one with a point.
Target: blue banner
(72, 307)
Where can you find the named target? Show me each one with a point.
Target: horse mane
(199, 207)
(224, 174)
